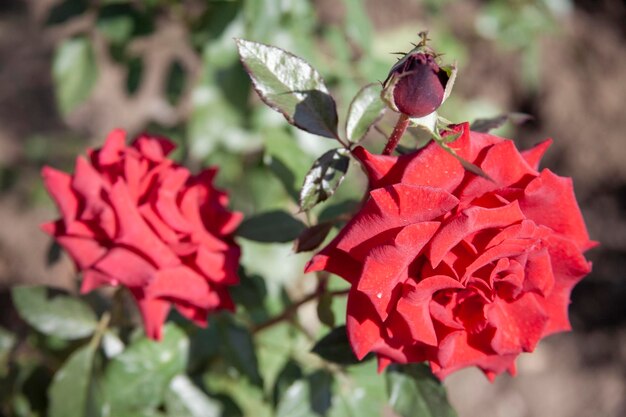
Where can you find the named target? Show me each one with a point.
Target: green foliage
(74, 71)
(137, 378)
(365, 110)
(271, 226)
(291, 86)
(72, 386)
(415, 392)
(335, 347)
(322, 180)
(58, 315)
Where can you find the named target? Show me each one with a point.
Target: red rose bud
(416, 85)
(130, 216)
(448, 267)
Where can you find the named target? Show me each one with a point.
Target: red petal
(112, 150)
(153, 148)
(336, 262)
(377, 167)
(391, 207)
(533, 156)
(519, 324)
(549, 200)
(58, 185)
(414, 307)
(197, 315)
(134, 231)
(94, 279)
(85, 252)
(219, 267)
(180, 283)
(166, 204)
(386, 266)
(504, 165)
(363, 324)
(469, 221)
(154, 313)
(130, 269)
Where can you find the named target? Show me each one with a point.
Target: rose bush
(132, 217)
(456, 269)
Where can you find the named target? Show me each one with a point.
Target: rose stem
(398, 131)
(291, 310)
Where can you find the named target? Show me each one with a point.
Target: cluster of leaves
(76, 365)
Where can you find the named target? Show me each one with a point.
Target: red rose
(132, 217)
(451, 268)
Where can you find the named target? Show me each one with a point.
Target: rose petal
(533, 156)
(153, 148)
(134, 231)
(113, 148)
(181, 283)
(414, 306)
(549, 200)
(362, 324)
(153, 311)
(58, 185)
(467, 222)
(127, 267)
(519, 324)
(392, 207)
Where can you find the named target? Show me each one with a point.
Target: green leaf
(415, 392)
(61, 316)
(237, 346)
(137, 378)
(343, 209)
(335, 347)
(184, 399)
(69, 392)
(286, 159)
(365, 110)
(291, 86)
(358, 25)
(7, 341)
(362, 394)
(326, 174)
(487, 125)
(312, 237)
(273, 226)
(325, 310)
(74, 72)
(295, 401)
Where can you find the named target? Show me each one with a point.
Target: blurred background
(71, 70)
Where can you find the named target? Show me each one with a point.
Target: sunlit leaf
(61, 315)
(137, 378)
(74, 72)
(326, 174)
(415, 392)
(365, 110)
(184, 399)
(69, 393)
(291, 86)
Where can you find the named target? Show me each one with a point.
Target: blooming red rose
(132, 217)
(452, 268)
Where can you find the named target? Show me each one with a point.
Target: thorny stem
(398, 131)
(291, 310)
